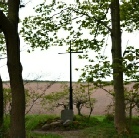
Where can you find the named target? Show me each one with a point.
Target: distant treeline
(95, 82)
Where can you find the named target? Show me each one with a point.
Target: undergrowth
(95, 127)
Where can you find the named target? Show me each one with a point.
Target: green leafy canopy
(87, 26)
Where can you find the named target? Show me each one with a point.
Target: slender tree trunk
(9, 26)
(78, 108)
(1, 104)
(130, 115)
(89, 99)
(119, 119)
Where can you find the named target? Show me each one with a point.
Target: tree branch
(99, 21)
(5, 26)
(4, 22)
(39, 96)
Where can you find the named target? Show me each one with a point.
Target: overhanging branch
(99, 21)
(4, 22)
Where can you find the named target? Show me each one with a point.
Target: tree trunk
(119, 119)
(79, 111)
(1, 104)
(130, 114)
(9, 26)
(78, 106)
(89, 99)
(17, 129)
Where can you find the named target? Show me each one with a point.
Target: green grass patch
(95, 127)
(34, 121)
(36, 135)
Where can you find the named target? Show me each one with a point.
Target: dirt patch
(67, 129)
(64, 134)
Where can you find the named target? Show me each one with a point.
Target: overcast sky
(48, 64)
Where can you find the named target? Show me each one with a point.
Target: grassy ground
(96, 127)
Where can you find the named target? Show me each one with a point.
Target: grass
(95, 127)
(36, 135)
(32, 121)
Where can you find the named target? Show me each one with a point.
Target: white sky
(48, 64)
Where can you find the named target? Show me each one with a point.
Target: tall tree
(1, 103)
(120, 121)
(9, 26)
(2, 51)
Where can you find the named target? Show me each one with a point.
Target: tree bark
(78, 106)
(9, 26)
(1, 104)
(119, 119)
